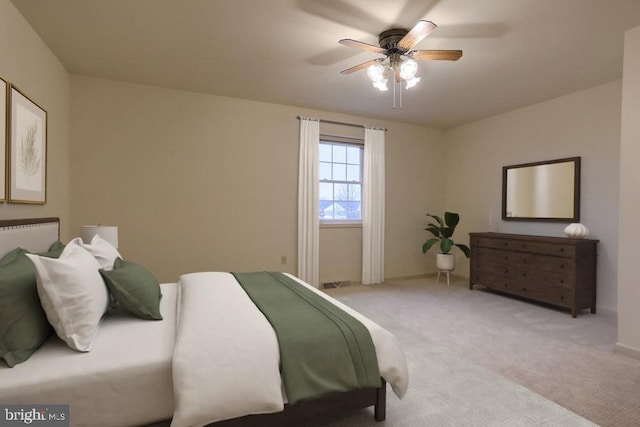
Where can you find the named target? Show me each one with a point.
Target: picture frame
(27, 149)
(4, 136)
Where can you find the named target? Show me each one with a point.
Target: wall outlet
(283, 259)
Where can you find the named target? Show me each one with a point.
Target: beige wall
(628, 289)
(26, 62)
(201, 182)
(585, 124)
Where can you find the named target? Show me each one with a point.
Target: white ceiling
(516, 52)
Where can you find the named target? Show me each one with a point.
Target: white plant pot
(446, 262)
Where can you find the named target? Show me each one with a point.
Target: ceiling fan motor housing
(389, 39)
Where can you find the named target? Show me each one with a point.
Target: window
(340, 175)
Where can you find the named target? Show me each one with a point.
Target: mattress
(125, 380)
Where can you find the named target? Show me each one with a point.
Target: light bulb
(375, 72)
(412, 82)
(408, 69)
(381, 85)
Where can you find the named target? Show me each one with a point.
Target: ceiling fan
(396, 44)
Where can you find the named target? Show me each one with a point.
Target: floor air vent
(340, 284)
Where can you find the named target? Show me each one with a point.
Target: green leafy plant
(442, 231)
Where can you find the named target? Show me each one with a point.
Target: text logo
(34, 415)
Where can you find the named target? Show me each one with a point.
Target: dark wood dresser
(554, 270)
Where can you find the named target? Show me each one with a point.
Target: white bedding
(214, 382)
(125, 380)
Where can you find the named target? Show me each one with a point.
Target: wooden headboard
(34, 234)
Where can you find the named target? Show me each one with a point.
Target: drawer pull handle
(524, 274)
(506, 258)
(524, 289)
(561, 265)
(561, 249)
(561, 281)
(561, 297)
(524, 246)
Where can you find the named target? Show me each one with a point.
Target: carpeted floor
(482, 359)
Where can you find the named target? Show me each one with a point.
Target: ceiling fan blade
(442, 55)
(361, 66)
(421, 30)
(361, 45)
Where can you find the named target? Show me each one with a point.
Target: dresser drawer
(553, 249)
(523, 260)
(495, 269)
(544, 278)
(549, 294)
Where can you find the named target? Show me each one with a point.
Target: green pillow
(134, 288)
(23, 323)
(55, 250)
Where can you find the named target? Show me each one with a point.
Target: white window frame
(339, 140)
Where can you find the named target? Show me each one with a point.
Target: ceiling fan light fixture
(408, 69)
(375, 72)
(412, 82)
(381, 85)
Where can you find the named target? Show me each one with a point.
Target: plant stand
(447, 272)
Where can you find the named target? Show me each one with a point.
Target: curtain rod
(343, 123)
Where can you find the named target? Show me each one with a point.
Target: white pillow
(102, 251)
(73, 295)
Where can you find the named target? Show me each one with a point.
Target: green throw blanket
(322, 348)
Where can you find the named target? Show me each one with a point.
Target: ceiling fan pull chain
(400, 84)
(394, 93)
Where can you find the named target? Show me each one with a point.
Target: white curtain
(373, 208)
(308, 205)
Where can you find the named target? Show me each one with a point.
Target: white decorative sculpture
(576, 231)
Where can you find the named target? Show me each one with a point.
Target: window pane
(339, 172)
(339, 154)
(325, 152)
(340, 192)
(353, 211)
(353, 173)
(326, 191)
(324, 172)
(353, 155)
(355, 192)
(327, 213)
(339, 211)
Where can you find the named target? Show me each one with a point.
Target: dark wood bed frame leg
(380, 410)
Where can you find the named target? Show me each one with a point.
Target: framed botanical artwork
(27, 150)
(3, 139)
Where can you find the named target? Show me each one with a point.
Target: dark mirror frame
(576, 191)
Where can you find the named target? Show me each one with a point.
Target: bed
(142, 372)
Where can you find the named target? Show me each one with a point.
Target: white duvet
(226, 358)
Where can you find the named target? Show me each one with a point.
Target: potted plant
(442, 232)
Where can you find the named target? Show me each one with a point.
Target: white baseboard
(627, 351)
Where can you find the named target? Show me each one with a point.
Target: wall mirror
(542, 191)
